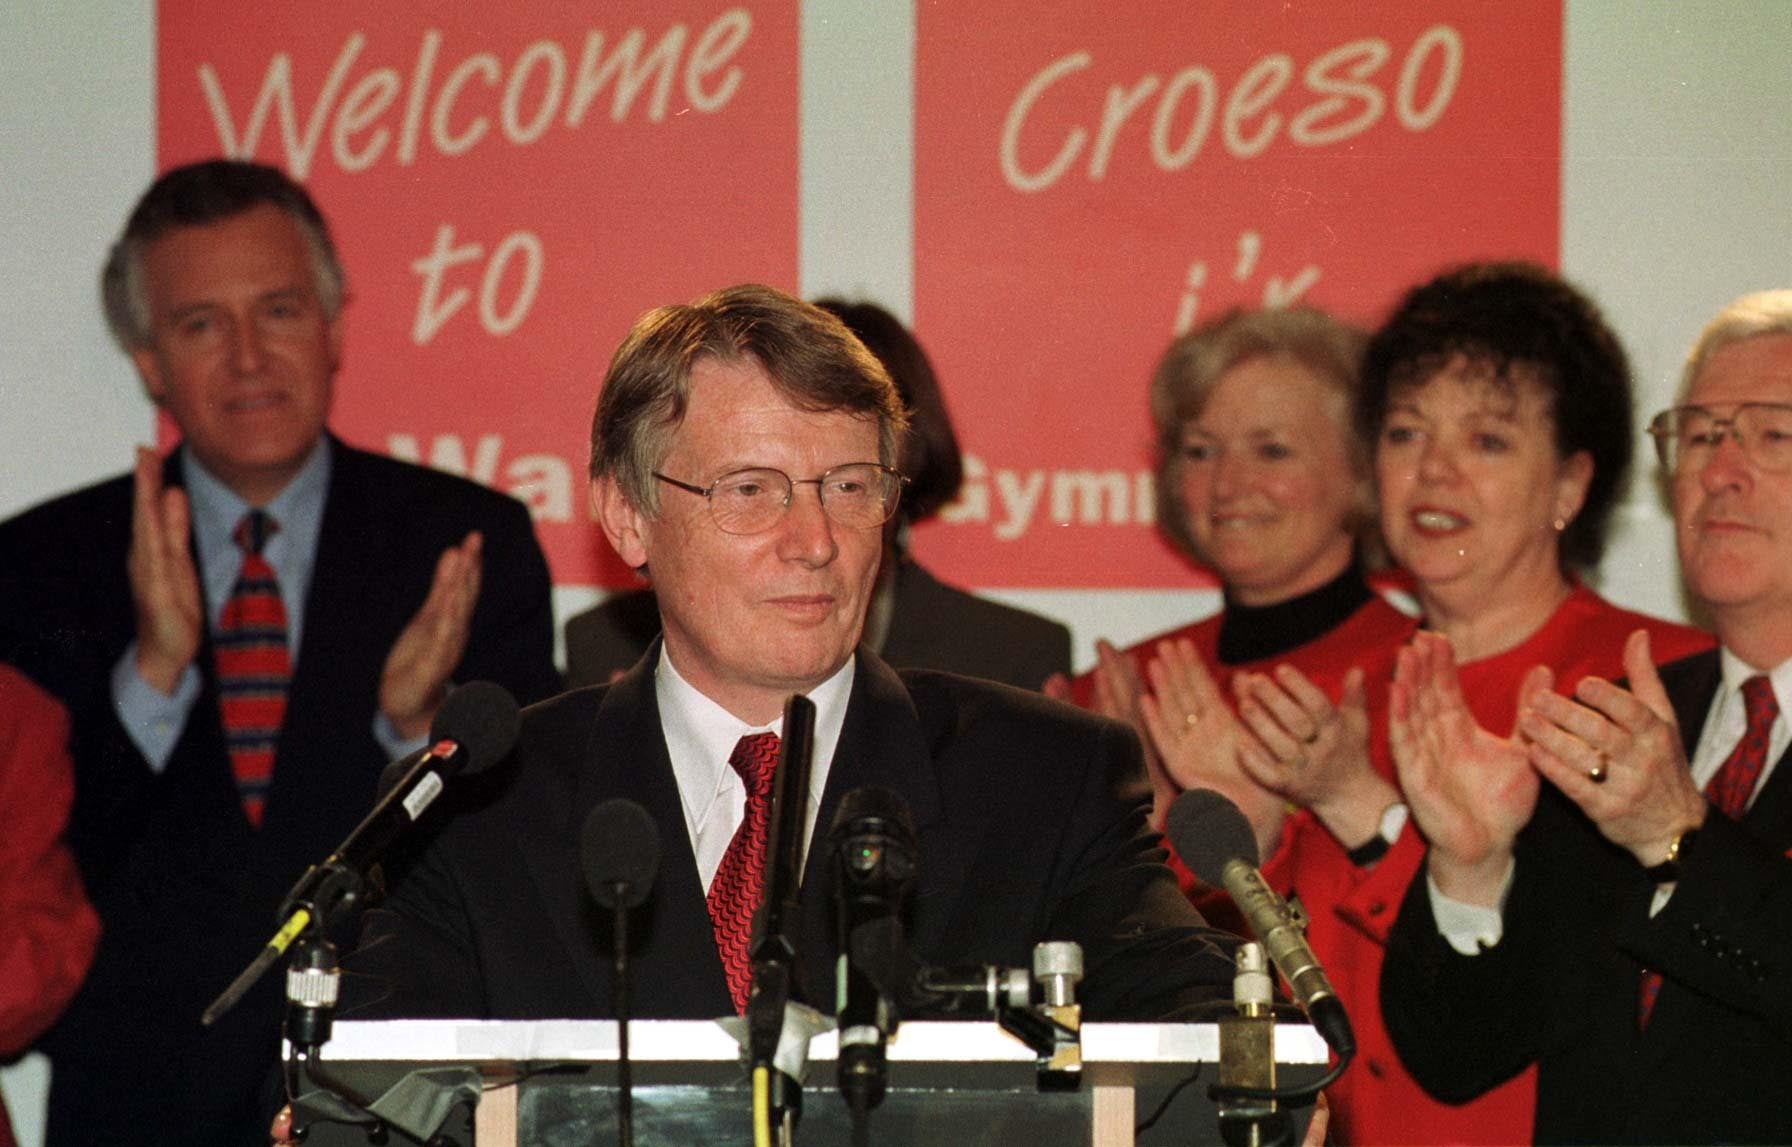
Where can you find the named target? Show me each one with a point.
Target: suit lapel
(1691, 689)
(882, 744)
(625, 757)
(1691, 685)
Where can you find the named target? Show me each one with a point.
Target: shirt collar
(1736, 671)
(298, 508)
(701, 735)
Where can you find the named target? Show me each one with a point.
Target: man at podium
(741, 458)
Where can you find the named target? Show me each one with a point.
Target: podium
(553, 1082)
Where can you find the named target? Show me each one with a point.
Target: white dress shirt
(700, 737)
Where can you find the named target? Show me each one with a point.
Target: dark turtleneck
(1254, 633)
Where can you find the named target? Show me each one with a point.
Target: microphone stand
(313, 980)
(620, 1004)
(773, 1023)
(1247, 1117)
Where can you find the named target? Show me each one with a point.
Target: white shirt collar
(700, 736)
(1727, 719)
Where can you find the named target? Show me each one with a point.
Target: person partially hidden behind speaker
(1607, 892)
(742, 450)
(914, 620)
(243, 632)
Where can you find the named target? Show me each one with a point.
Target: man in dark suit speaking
(1609, 893)
(740, 454)
(244, 634)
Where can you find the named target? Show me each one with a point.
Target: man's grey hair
(809, 355)
(1750, 316)
(192, 196)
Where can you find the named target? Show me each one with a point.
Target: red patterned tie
(734, 893)
(1730, 788)
(253, 666)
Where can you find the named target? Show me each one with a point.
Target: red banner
(1090, 179)
(509, 187)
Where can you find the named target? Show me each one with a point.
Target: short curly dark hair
(1502, 315)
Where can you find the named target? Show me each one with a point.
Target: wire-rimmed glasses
(857, 496)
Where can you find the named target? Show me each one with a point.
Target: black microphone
(1213, 838)
(474, 729)
(619, 851)
(773, 953)
(873, 847)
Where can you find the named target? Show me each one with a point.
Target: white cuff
(1469, 927)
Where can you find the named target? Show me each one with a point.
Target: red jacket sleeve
(47, 929)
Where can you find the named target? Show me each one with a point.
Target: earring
(1561, 524)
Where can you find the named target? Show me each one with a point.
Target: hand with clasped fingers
(414, 681)
(1313, 753)
(1617, 754)
(1202, 741)
(1469, 791)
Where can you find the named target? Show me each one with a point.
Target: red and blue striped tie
(740, 879)
(253, 666)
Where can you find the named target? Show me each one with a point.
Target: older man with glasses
(1609, 892)
(740, 458)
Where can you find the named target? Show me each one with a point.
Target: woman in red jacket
(1499, 405)
(47, 929)
(1262, 479)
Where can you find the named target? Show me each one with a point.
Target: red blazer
(47, 929)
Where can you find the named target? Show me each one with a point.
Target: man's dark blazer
(932, 626)
(1031, 824)
(186, 890)
(1561, 986)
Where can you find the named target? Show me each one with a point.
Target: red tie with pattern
(253, 666)
(1730, 787)
(734, 893)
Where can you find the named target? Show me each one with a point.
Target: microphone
(773, 953)
(1213, 838)
(619, 853)
(475, 728)
(872, 842)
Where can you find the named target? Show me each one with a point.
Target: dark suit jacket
(1031, 824)
(1561, 987)
(932, 626)
(186, 890)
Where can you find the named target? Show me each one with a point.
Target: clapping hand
(164, 582)
(1469, 791)
(1201, 739)
(415, 678)
(1618, 755)
(1313, 753)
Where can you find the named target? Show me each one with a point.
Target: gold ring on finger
(1601, 768)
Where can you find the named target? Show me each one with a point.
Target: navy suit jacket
(1030, 817)
(186, 889)
(1560, 989)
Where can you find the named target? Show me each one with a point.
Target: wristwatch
(1393, 819)
(1668, 870)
